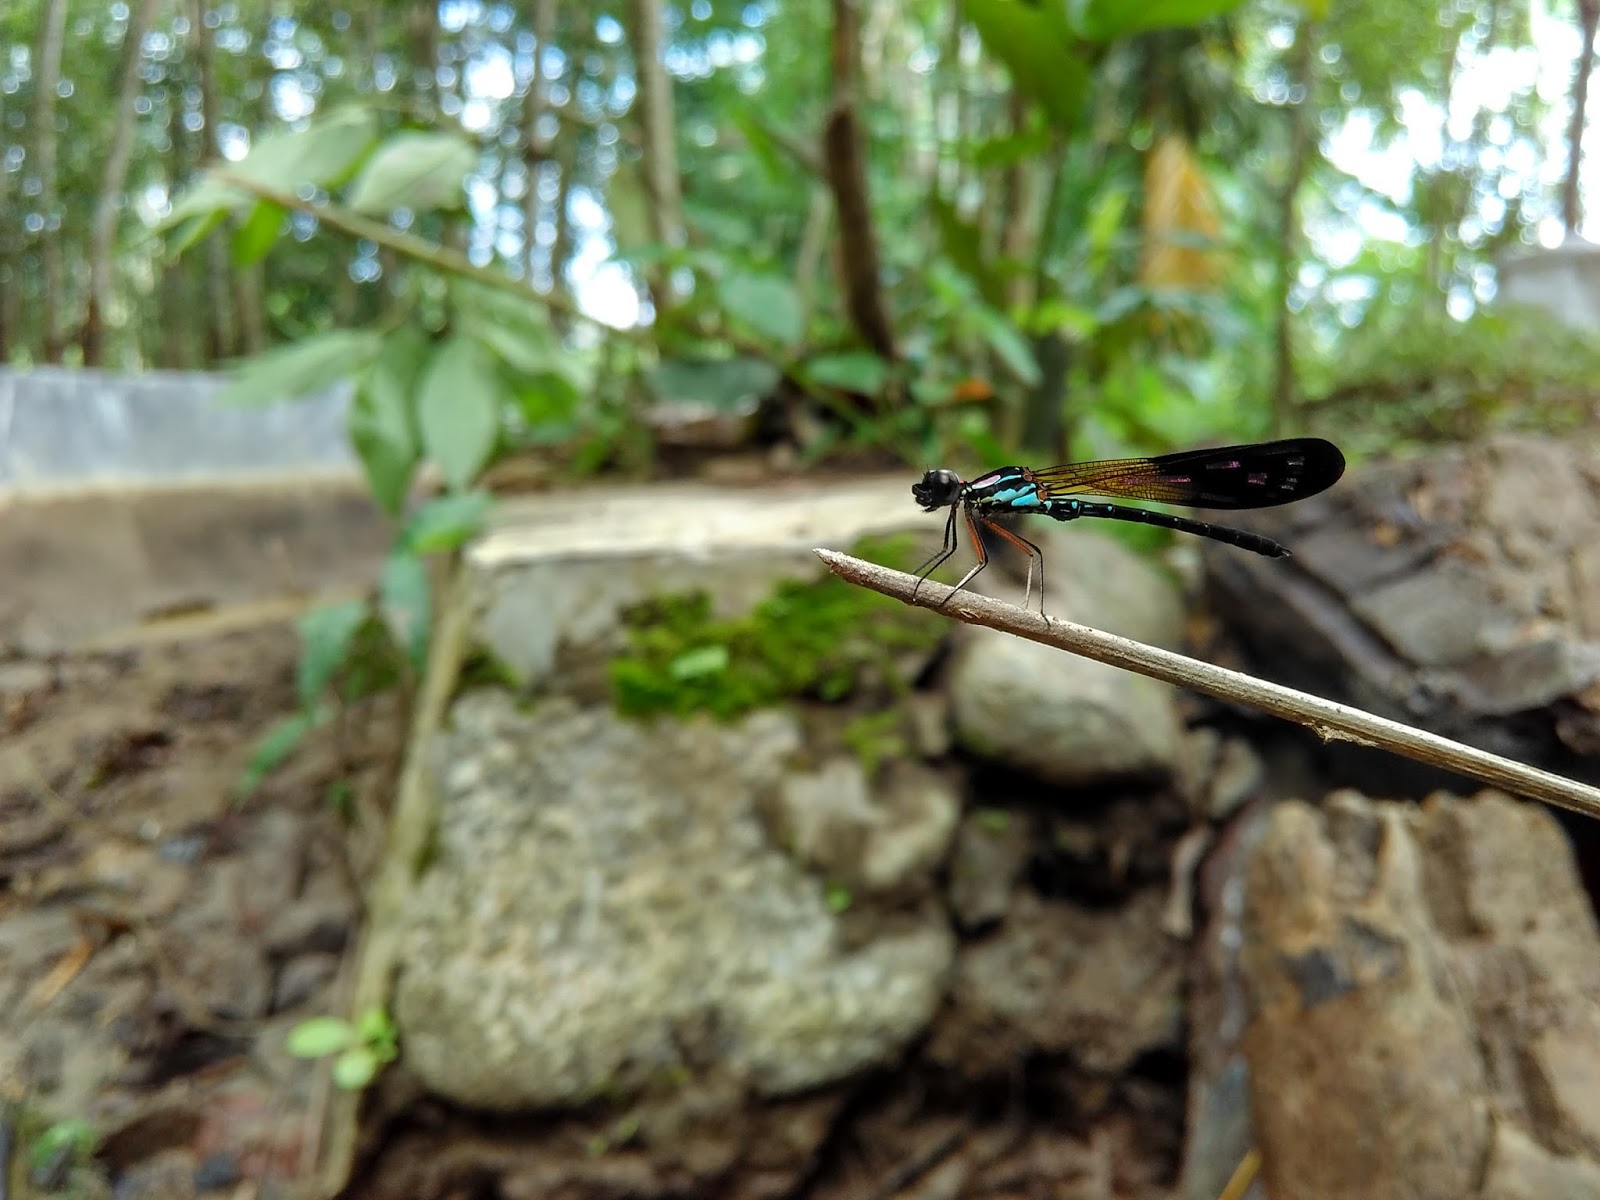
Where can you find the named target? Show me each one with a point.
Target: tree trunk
(563, 247)
(222, 341)
(1300, 134)
(422, 32)
(847, 175)
(10, 268)
(659, 157)
(1571, 203)
(103, 239)
(536, 148)
(53, 30)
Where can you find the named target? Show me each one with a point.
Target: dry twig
(1331, 721)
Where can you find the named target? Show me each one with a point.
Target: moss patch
(825, 641)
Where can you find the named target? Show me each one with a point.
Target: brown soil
(158, 938)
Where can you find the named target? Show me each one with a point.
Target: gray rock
(1060, 717)
(1454, 590)
(1096, 580)
(928, 715)
(1102, 986)
(1238, 773)
(876, 839)
(606, 909)
(990, 853)
(1063, 718)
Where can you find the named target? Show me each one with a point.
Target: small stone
(301, 979)
(216, 1171)
(991, 853)
(1237, 774)
(928, 714)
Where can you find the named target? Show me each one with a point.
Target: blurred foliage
(1416, 375)
(1077, 208)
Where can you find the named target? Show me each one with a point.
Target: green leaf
(271, 751)
(256, 235)
(208, 199)
(326, 635)
(1057, 316)
(324, 154)
(302, 370)
(1040, 50)
(389, 461)
(407, 604)
(768, 304)
(414, 170)
(549, 405)
(518, 349)
(962, 242)
(376, 1030)
(857, 372)
(446, 522)
(320, 1036)
(729, 384)
(1008, 149)
(1108, 20)
(458, 410)
(355, 1068)
(702, 660)
(382, 417)
(1009, 346)
(72, 1136)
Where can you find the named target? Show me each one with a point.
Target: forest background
(931, 231)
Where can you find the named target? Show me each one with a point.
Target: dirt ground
(158, 938)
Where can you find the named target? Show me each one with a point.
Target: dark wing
(1255, 476)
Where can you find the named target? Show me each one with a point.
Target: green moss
(877, 737)
(483, 669)
(838, 898)
(824, 640)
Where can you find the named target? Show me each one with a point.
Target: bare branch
(1331, 721)
(410, 246)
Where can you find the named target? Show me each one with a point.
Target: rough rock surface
(1452, 590)
(1063, 718)
(882, 838)
(607, 909)
(1426, 995)
(1101, 987)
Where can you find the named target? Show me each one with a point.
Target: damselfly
(1233, 477)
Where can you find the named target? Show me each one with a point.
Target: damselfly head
(939, 489)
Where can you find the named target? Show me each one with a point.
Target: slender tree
(535, 147)
(1301, 64)
(48, 81)
(111, 201)
(1588, 24)
(659, 153)
(845, 152)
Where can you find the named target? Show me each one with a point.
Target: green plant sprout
(363, 1048)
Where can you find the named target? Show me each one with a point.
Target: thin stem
(1330, 721)
(416, 248)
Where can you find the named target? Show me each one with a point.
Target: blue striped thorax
(1007, 490)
